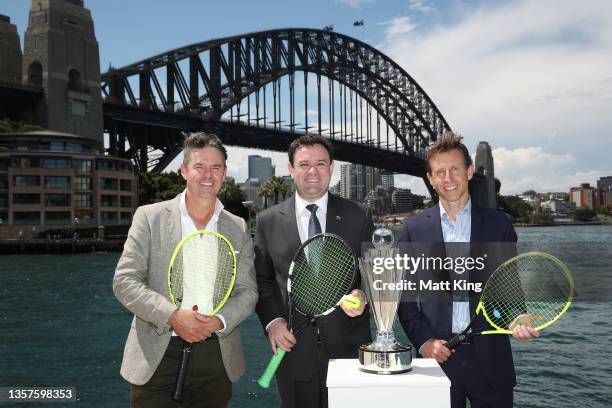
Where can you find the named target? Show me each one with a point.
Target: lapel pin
(338, 217)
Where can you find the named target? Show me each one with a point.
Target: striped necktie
(314, 227)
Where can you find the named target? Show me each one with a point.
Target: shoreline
(23, 246)
(563, 224)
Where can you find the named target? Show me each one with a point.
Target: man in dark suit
(280, 231)
(482, 371)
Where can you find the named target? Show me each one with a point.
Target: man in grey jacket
(152, 351)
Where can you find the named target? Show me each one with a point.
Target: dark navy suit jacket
(426, 320)
(276, 242)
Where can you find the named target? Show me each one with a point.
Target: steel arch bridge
(247, 89)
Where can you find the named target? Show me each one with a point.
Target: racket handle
(351, 302)
(182, 373)
(275, 361)
(455, 341)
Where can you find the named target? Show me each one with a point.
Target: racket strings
(321, 274)
(530, 289)
(176, 279)
(202, 272)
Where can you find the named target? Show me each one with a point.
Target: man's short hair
(310, 140)
(446, 142)
(200, 140)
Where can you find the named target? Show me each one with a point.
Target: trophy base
(395, 361)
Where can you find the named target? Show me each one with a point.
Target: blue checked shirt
(460, 231)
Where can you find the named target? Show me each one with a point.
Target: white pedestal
(425, 385)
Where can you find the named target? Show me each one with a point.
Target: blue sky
(531, 77)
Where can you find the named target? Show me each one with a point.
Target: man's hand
(523, 332)
(354, 312)
(279, 336)
(211, 324)
(192, 326)
(434, 348)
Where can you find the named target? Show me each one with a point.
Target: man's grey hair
(200, 140)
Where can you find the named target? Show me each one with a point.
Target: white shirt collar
(300, 204)
(464, 210)
(187, 224)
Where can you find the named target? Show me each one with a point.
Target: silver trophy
(384, 355)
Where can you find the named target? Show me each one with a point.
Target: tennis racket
(533, 289)
(200, 277)
(321, 273)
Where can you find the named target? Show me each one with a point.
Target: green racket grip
(275, 361)
(351, 302)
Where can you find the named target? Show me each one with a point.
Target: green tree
(584, 214)
(154, 188)
(540, 217)
(517, 208)
(265, 191)
(607, 210)
(232, 196)
(280, 188)
(9, 126)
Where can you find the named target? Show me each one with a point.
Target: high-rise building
(586, 196)
(357, 180)
(260, 168)
(379, 201)
(402, 200)
(387, 181)
(372, 180)
(605, 183)
(345, 181)
(250, 188)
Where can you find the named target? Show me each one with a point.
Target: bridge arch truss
(263, 89)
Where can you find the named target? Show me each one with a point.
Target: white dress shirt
(187, 227)
(302, 214)
(302, 218)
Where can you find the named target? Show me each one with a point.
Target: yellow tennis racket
(533, 289)
(200, 277)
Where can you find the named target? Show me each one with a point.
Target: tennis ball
(351, 302)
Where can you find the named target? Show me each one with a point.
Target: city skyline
(530, 77)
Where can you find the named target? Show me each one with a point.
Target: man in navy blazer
(482, 371)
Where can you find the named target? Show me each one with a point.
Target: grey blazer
(141, 285)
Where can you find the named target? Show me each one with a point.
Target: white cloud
(354, 3)
(398, 26)
(533, 73)
(524, 169)
(415, 184)
(420, 5)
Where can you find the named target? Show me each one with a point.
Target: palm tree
(265, 191)
(279, 187)
(232, 196)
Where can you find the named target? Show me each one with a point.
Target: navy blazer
(426, 320)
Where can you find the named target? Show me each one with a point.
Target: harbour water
(62, 326)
